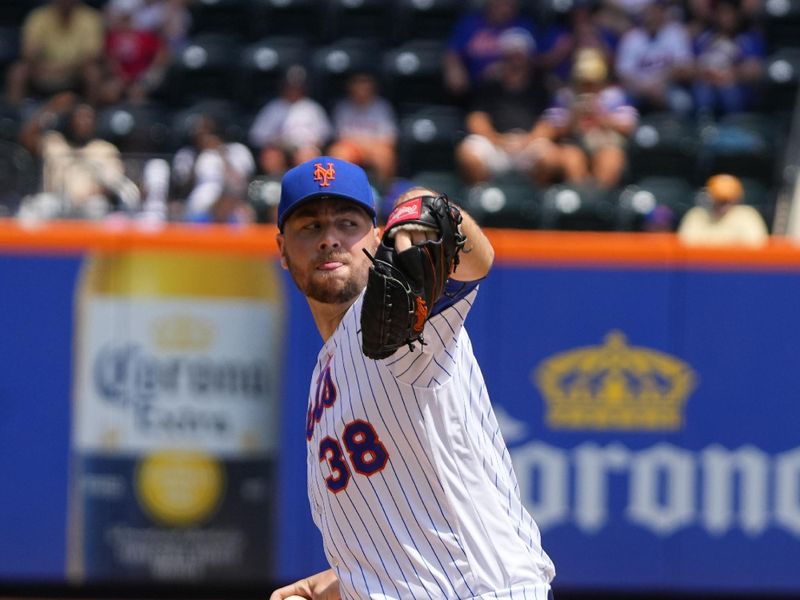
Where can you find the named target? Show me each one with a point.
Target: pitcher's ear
(281, 242)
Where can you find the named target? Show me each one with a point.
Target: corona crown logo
(614, 386)
(323, 175)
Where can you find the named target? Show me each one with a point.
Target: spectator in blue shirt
(729, 58)
(473, 54)
(571, 31)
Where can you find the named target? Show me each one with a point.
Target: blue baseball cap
(324, 176)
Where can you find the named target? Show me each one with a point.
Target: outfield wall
(647, 393)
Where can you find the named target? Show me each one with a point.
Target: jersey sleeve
(453, 292)
(432, 363)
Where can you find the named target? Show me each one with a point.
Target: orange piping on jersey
(420, 314)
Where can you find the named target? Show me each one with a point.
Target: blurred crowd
(552, 102)
(560, 104)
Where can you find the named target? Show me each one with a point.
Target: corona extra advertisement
(174, 417)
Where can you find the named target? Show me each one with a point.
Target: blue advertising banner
(650, 418)
(649, 410)
(35, 354)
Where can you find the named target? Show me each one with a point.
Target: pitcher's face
(322, 247)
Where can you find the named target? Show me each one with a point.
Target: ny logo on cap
(322, 175)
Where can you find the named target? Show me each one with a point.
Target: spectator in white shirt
(366, 129)
(655, 62)
(723, 219)
(290, 129)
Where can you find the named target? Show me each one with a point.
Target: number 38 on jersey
(360, 449)
(364, 450)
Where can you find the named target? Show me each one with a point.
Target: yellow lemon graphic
(179, 488)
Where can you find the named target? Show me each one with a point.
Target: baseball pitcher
(409, 479)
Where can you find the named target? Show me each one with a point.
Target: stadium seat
(745, 144)
(10, 122)
(364, 19)
(639, 199)
(231, 123)
(221, 16)
(664, 144)
(764, 124)
(505, 205)
(205, 68)
(262, 65)
(781, 22)
(304, 18)
(760, 196)
(782, 78)
(331, 65)
(429, 19)
(14, 12)
(18, 176)
(574, 208)
(427, 139)
(549, 12)
(446, 182)
(263, 195)
(756, 193)
(9, 46)
(238, 129)
(135, 128)
(413, 74)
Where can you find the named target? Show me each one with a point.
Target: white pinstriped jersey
(410, 481)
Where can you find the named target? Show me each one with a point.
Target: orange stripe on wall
(80, 236)
(635, 250)
(566, 249)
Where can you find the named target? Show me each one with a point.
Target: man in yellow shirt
(61, 46)
(726, 221)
